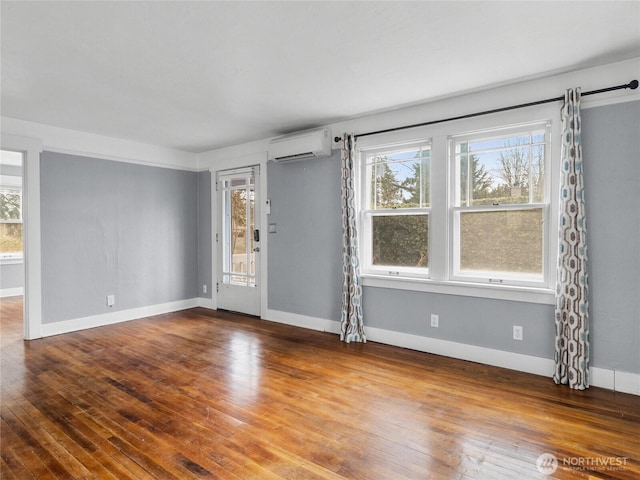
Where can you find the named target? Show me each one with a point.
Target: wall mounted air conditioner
(298, 146)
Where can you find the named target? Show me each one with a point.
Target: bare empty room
(320, 240)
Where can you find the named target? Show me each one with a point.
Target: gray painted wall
(305, 272)
(305, 253)
(115, 228)
(611, 150)
(474, 321)
(144, 234)
(305, 257)
(204, 233)
(12, 275)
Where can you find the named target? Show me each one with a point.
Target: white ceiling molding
(74, 142)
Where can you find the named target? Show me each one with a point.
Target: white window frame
(13, 184)
(441, 279)
(366, 214)
(228, 275)
(489, 277)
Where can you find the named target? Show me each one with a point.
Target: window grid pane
(399, 179)
(400, 240)
(501, 241)
(238, 226)
(499, 171)
(10, 221)
(10, 238)
(10, 204)
(489, 222)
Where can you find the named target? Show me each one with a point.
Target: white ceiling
(201, 75)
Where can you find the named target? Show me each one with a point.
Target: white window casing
(443, 274)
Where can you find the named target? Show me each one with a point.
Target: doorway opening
(12, 245)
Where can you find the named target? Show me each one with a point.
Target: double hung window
(10, 219)
(396, 209)
(459, 210)
(500, 208)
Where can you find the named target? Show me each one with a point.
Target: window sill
(498, 292)
(11, 259)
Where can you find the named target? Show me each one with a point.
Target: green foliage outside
(401, 240)
(411, 192)
(509, 241)
(10, 204)
(503, 241)
(10, 233)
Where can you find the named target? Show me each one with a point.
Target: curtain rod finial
(633, 84)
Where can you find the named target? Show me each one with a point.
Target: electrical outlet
(204, 288)
(517, 332)
(435, 320)
(111, 300)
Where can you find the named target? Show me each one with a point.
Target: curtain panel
(572, 307)
(351, 323)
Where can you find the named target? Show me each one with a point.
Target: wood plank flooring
(201, 394)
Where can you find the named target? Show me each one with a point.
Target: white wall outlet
(517, 332)
(111, 300)
(204, 288)
(435, 320)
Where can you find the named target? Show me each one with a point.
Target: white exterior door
(238, 240)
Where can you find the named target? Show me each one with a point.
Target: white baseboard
(600, 377)
(463, 351)
(627, 382)
(11, 292)
(610, 379)
(119, 316)
(304, 321)
(205, 303)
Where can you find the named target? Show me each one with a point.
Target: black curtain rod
(633, 84)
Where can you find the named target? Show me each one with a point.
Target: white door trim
(31, 148)
(260, 159)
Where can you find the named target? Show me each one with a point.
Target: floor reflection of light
(411, 441)
(244, 368)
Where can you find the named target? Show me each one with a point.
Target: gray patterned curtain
(351, 325)
(572, 306)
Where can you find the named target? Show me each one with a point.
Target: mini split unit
(299, 146)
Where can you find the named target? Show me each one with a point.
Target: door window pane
(238, 210)
(238, 231)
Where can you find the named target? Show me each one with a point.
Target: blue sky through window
(488, 152)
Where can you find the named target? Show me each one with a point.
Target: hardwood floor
(201, 394)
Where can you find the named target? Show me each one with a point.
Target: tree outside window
(10, 222)
(398, 200)
(490, 221)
